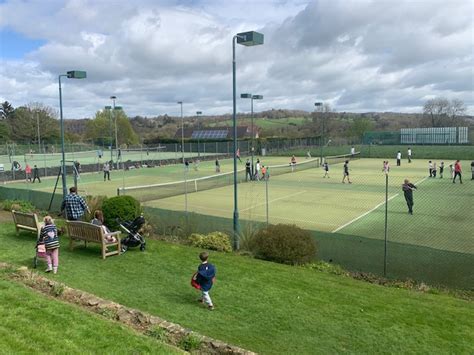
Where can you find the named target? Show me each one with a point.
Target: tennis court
(310, 201)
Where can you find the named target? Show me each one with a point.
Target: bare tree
(457, 108)
(442, 112)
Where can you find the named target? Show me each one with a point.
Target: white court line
(373, 209)
(276, 199)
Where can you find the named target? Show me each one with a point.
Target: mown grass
(34, 323)
(265, 307)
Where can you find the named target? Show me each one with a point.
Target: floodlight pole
(199, 127)
(75, 74)
(114, 118)
(252, 97)
(247, 39)
(318, 105)
(182, 130)
(61, 120)
(39, 137)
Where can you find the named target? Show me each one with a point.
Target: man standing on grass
(408, 189)
(353, 151)
(248, 173)
(36, 174)
(409, 154)
(106, 170)
(457, 171)
(399, 158)
(74, 205)
(346, 173)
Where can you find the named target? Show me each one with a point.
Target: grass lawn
(262, 306)
(267, 122)
(34, 323)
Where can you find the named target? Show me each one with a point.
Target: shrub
(214, 241)
(285, 243)
(121, 207)
(190, 342)
(18, 205)
(158, 333)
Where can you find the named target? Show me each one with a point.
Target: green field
(262, 306)
(267, 122)
(33, 323)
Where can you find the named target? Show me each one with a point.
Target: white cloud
(358, 55)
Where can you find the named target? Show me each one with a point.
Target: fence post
(385, 231)
(266, 195)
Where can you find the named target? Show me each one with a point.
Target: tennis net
(337, 159)
(158, 191)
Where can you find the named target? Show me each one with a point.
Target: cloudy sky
(357, 55)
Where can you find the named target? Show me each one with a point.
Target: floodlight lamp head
(76, 74)
(257, 97)
(318, 104)
(113, 97)
(180, 102)
(250, 38)
(245, 96)
(198, 112)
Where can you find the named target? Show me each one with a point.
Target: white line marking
(276, 199)
(373, 209)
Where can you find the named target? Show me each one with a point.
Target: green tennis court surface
(94, 184)
(310, 201)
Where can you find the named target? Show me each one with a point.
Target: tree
(359, 127)
(457, 108)
(5, 110)
(101, 129)
(23, 123)
(440, 112)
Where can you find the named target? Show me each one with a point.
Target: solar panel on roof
(209, 134)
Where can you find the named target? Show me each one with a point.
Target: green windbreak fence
(39, 199)
(355, 253)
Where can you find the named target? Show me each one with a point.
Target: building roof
(213, 133)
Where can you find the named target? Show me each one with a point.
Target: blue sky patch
(14, 45)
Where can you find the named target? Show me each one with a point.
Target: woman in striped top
(49, 236)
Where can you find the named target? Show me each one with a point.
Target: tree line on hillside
(34, 122)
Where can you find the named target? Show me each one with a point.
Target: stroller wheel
(124, 248)
(35, 262)
(142, 247)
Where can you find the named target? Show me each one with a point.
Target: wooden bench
(89, 232)
(26, 221)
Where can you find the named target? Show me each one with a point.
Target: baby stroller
(40, 253)
(133, 238)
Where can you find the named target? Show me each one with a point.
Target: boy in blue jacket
(205, 278)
